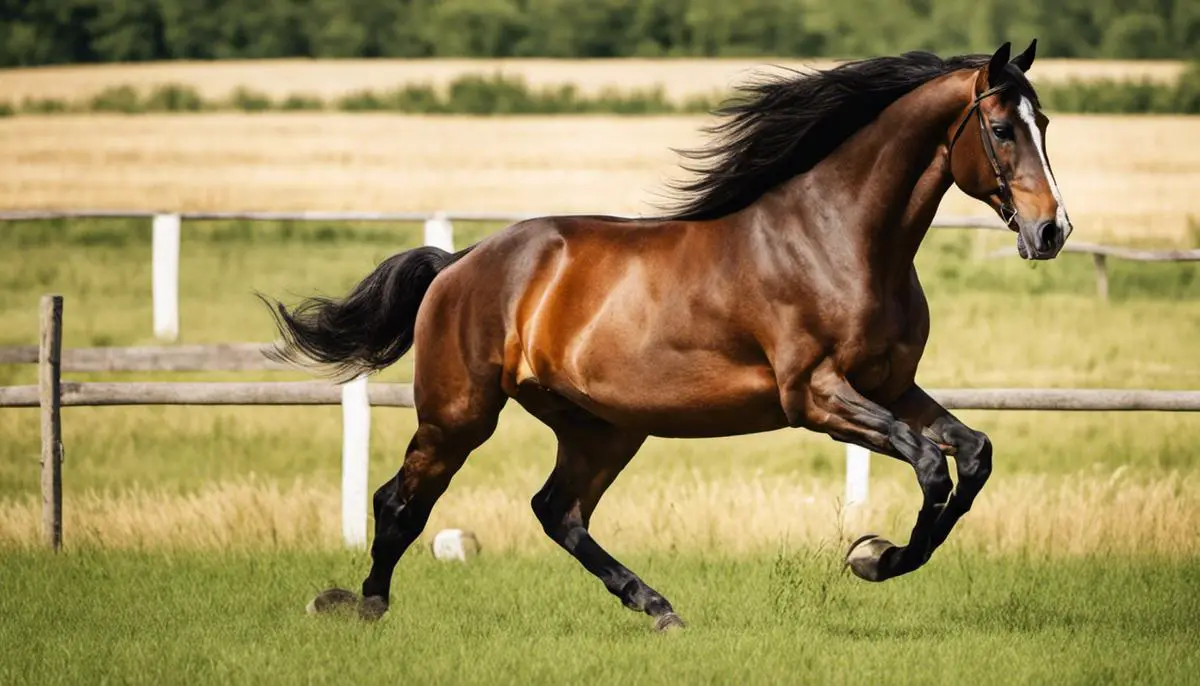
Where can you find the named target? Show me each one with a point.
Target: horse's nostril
(1047, 237)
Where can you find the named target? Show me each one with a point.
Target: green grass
(94, 617)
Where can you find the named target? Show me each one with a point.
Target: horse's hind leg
(453, 419)
(591, 453)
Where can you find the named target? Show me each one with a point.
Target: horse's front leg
(874, 558)
(972, 451)
(827, 402)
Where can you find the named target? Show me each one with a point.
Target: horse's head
(998, 155)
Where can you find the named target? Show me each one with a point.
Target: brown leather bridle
(1008, 211)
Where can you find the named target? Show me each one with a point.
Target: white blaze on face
(1025, 111)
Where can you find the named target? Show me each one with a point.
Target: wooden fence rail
(99, 394)
(357, 397)
(205, 393)
(222, 357)
(439, 232)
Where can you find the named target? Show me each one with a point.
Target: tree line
(36, 32)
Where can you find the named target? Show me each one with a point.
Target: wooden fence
(356, 398)
(52, 393)
(439, 232)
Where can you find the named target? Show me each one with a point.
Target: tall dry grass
(1124, 178)
(1040, 515)
(679, 78)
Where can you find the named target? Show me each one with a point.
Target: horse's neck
(886, 182)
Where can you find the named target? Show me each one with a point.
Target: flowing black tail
(370, 328)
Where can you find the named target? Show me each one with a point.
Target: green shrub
(361, 101)
(248, 100)
(298, 102)
(117, 99)
(561, 99)
(1108, 96)
(417, 99)
(174, 97)
(6, 110)
(1187, 91)
(495, 94)
(637, 101)
(701, 104)
(43, 106)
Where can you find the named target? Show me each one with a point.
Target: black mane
(783, 125)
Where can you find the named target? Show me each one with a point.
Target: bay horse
(779, 292)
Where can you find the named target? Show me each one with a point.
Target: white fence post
(858, 473)
(439, 233)
(165, 271)
(356, 437)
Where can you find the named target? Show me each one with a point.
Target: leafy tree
(473, 28)
(1136, 36)
(60, 31)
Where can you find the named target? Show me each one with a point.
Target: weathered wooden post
(50, 400)
(1100, 262)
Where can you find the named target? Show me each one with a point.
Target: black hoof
(372, 608)
(668, 623)
(332, 600)
(865, 556)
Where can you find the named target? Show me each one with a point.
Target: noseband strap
(1008, 211)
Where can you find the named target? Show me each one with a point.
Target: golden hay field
(1125, 179)
(332, 78)
(1029, 514)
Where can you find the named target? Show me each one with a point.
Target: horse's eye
(1003, 131)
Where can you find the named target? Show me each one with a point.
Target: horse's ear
(1025, 60)
(998, 63)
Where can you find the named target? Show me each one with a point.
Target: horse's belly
(698, 400)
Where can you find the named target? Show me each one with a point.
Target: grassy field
(1125, 179)
(680, 78)
(792, 617)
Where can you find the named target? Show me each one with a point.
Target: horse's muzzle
(1044, 241)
